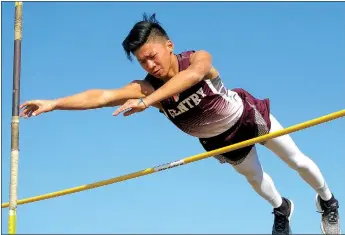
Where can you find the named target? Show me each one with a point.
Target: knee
(299, 162)
(254, 177)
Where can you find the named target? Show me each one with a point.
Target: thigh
(251, 165)
(283, 146)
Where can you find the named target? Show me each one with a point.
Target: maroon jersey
(216, 115)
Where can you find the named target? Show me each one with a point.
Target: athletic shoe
(330, 221)
(282, 217)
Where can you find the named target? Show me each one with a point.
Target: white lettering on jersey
(188, 103)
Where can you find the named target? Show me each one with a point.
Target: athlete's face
(156, 57)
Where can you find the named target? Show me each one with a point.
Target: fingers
(27, 107)
(25, 104)
(124, 107)
(28, 112)
(129, 112)
(23, 113)
(29, 103)
(130, 107)
(30, 108)
(120, 110)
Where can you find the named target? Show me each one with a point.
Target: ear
(170, 46)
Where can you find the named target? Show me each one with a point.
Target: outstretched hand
(36, 107)
(132, 106)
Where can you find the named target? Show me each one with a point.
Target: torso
(206, 109)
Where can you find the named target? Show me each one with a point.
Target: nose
(151, 65)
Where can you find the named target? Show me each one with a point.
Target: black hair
(143, 31)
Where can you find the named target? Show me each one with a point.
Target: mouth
(156, 72)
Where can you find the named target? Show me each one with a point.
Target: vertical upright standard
(15, 118)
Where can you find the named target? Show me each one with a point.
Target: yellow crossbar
(184, 161)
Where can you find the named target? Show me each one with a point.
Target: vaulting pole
(184, 161)
(15, 118)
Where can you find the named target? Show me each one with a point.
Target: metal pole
(15, 118)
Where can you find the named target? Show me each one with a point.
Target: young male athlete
(189, 91)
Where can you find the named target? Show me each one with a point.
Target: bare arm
(90, 99)
(97, 98)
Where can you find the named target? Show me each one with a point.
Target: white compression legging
(285, 148)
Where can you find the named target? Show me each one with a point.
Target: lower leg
(260, 181)
(266, 189)
(286, 149)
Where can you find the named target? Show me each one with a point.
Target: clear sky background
(292, 53)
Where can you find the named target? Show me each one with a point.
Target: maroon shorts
(254, 122)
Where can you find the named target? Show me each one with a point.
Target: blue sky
(292, 53)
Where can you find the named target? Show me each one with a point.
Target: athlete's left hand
(132, 106)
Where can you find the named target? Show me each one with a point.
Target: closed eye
(150, 56)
